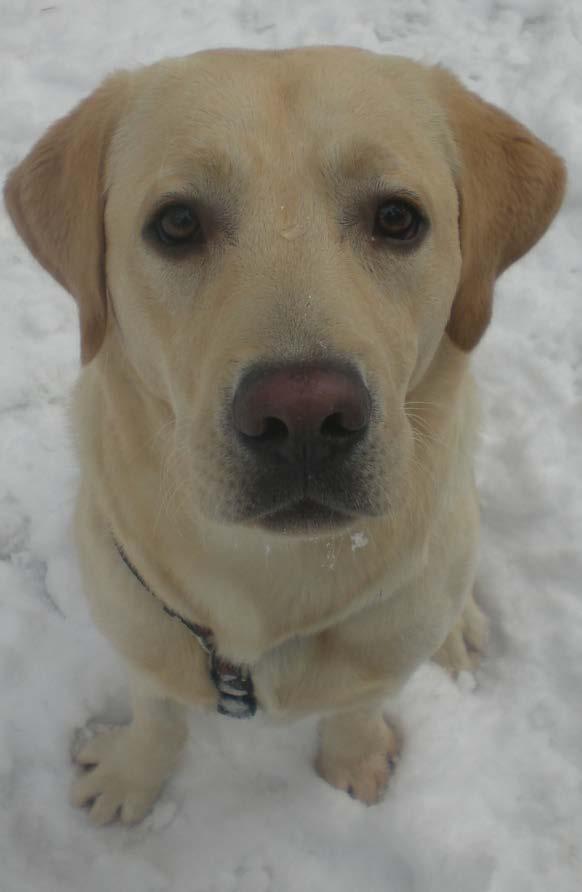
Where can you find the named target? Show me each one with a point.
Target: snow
(487, 796)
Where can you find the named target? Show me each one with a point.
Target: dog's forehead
(342, 102)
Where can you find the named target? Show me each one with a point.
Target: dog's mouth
(305, 516)
(328, 502)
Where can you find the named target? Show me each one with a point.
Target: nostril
(335, 426)
(273, 430)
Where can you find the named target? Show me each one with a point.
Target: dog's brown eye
(177, 225)
(398, 220)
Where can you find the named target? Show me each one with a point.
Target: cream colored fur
(331, 623)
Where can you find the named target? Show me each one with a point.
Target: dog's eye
(397, 220)
(178, 224)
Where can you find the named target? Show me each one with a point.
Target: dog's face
(281, 251)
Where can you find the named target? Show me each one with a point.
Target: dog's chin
(306, 517)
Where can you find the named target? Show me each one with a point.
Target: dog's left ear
(510, 186)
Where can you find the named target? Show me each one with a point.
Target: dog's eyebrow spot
(198, 166)
(360, 160)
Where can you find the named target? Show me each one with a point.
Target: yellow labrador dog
(282, 261)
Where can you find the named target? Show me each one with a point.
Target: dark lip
(304, 516)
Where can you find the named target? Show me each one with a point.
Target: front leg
(346, 672)
(332, 673)
(126, 767)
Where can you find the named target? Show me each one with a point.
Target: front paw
(359, 760)
(120, 778)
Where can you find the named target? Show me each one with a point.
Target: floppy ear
(56, 199)
(510, 187)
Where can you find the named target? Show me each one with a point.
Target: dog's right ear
(56, 199)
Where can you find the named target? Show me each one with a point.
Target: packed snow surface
(488, 792)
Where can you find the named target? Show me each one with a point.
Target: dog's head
(279, 242)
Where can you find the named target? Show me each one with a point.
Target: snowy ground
(488, 794)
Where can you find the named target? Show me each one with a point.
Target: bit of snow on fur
(359, 540)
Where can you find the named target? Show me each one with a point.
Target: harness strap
(233, 682)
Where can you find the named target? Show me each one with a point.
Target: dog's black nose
(302, 413)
